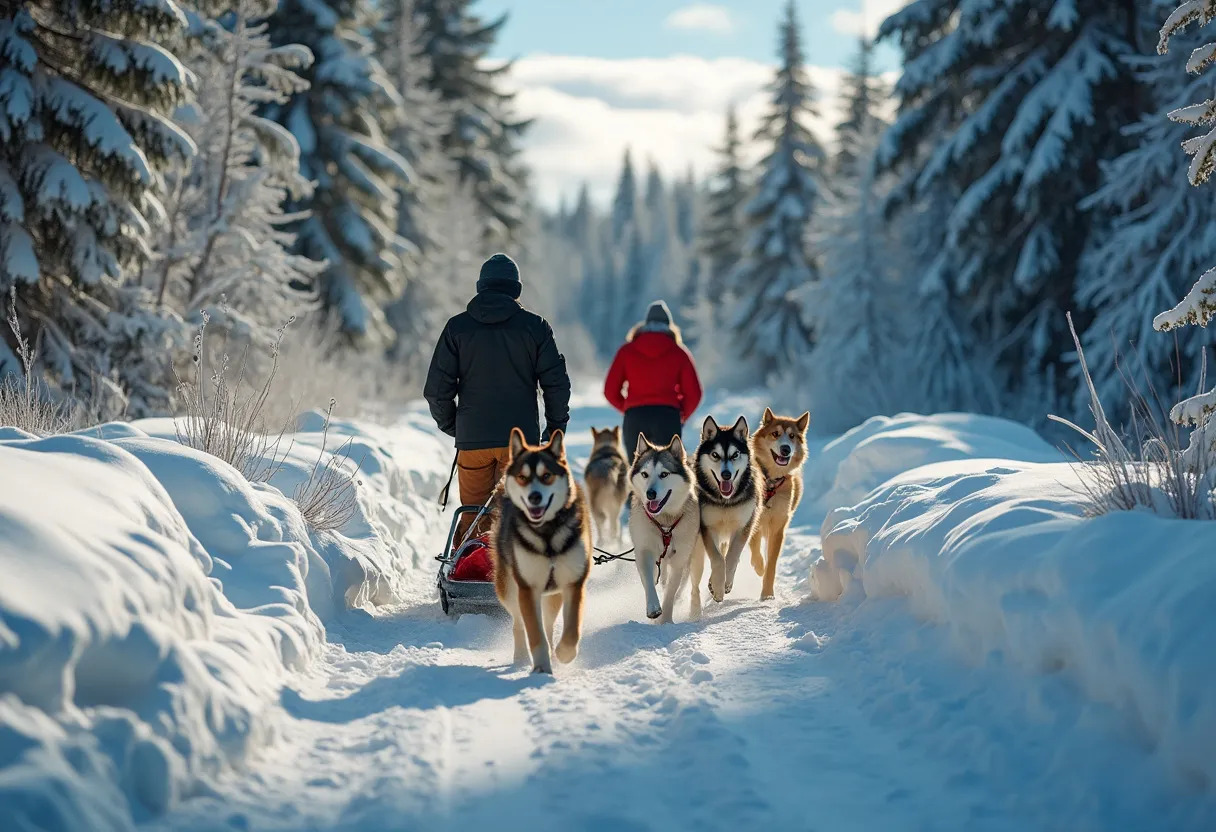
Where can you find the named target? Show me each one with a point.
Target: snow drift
(154, 601)
(997, 552)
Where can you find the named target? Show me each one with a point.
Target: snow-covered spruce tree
(85, 138)
(625, 201)
(417, 136)
(339, 123)
(1017, 105)
(1197, 307)
(863, 92)
(225, 238)
(481, 132)
(695, 308)
(776, 263)
(859, 315)
(721, 228)
(1160, 236)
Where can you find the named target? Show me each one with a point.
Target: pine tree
(1018, 105)
(481, 134)
(339, 123)
(776, 264)
(1196, 308)
(721, 230)
(224, 248)
(1160, 236)
(85, 138)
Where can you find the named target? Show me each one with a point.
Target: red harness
(666, 534)
(771, 487)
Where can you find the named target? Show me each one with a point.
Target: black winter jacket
(491, 358)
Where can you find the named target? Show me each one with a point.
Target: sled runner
(466, 572)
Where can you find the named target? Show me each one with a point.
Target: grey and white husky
(606, 478)
(665, 524)
(729, 497)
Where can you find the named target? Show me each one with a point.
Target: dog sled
(466, 571)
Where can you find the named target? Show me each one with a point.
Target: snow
(1041, 672)
(882, 447)
(143, 648)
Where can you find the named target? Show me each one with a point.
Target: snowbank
(154, 601)
(884, 446)
(997, 552)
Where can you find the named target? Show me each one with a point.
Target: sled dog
(780, 447)
(665, 524)
(606, 480)
(542, 550)
(729, 496)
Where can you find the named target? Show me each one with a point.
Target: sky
(598, 76)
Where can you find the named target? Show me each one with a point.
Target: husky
(780, 447)
(665, 523)
(541, 550)
(729, 495)
(606, 480)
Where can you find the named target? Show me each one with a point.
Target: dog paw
(654, 612)
(544, 666)
(766, 596)
(566, 651)
(715, 592)
(729, 587)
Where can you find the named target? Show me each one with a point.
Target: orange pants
(478, 471)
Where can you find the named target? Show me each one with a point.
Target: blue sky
(639, 28)
(657, 76)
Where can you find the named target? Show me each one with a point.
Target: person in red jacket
(653, 381)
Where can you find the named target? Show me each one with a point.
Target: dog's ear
(616, 431)
(709, 429)
(677, 447)
(767, 418)
(557, 444)
(642, 445)
(740, 428)
(517, 443)
(804, 421)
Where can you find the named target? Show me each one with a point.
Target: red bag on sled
(473, 561)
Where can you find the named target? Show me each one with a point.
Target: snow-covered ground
(994, 661)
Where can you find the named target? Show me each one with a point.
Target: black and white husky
(729, 497)
(665, 524)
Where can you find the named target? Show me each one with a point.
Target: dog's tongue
(537, 512)
(727, 487)
(653, 506)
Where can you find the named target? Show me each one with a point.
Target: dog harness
(771, 487)
(666, 535)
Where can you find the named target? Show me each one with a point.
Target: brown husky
(605, 478)
(780, 444)
(542, 550)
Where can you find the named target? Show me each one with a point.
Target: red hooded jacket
(653, 369)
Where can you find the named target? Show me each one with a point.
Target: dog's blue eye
(645, 476)
(716, 455)
(663, 475)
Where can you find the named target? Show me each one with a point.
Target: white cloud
(866, 20)
(701, 17)
(671, 110)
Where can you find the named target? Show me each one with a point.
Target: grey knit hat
(658, 318)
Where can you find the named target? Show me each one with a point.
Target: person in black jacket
(484, 376)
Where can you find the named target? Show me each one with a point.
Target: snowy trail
(782, 715)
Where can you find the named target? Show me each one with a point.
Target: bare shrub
(1152, 470)
(223, 413)
(327, 499)
(24, 404)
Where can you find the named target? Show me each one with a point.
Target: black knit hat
(500, 274)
